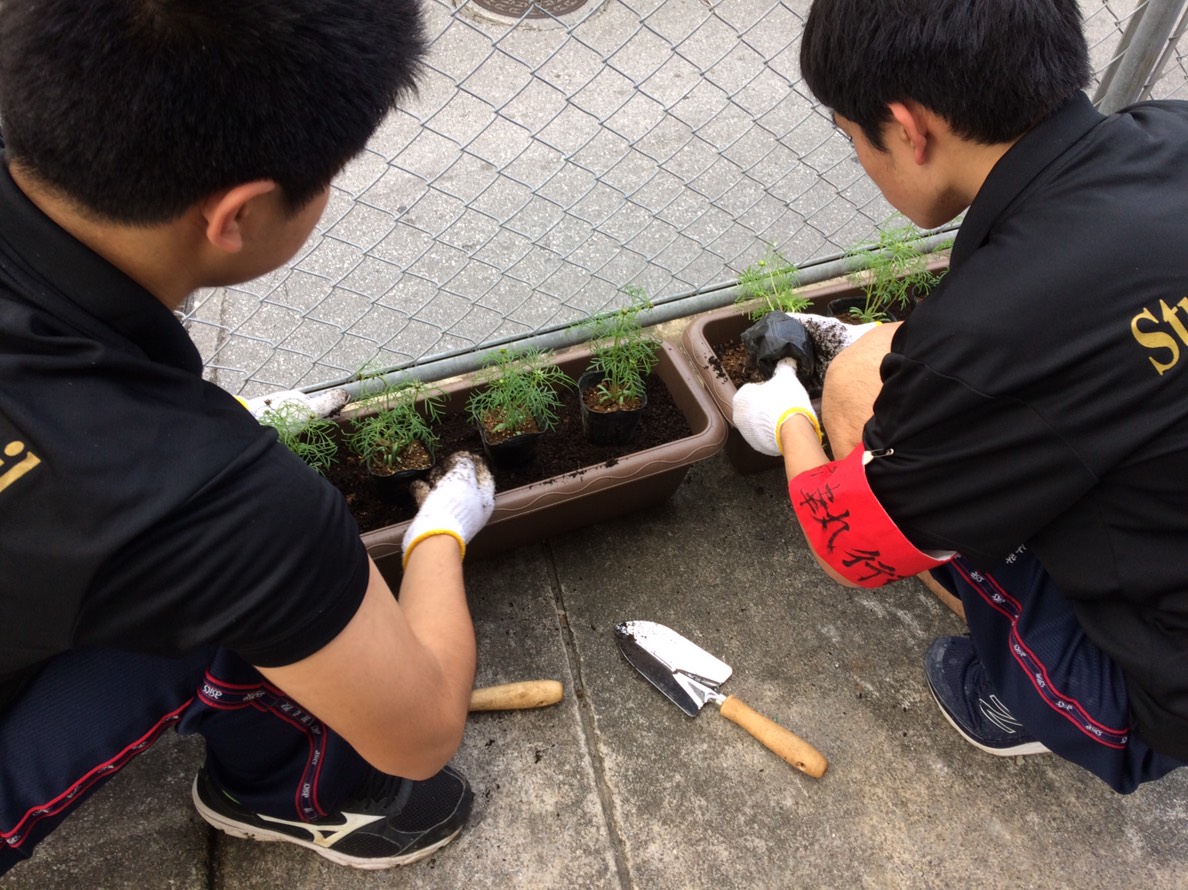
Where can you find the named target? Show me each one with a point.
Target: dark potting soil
(563, 449)
(732, 361)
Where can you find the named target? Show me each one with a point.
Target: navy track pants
(1063, 689)
(90, 712)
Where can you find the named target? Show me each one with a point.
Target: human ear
(914, 124)
(224, 212)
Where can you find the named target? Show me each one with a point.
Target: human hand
(829, 337)
(296, 405)
(760, 409)
(457, 500)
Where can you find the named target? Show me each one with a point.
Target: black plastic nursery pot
(701, 339)
(394, 487)
(633, 481)
(707, 332)
(514, 451)
(845, 307)
(614, 427)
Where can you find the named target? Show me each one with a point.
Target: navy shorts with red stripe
(1064, 690)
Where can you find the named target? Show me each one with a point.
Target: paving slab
(905, 803)
(616, 788)
(538, 819)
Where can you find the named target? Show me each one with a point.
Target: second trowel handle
(516, 696)
(775, 738)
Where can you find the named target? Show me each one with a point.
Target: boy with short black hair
(164, 561)
(1022, 440)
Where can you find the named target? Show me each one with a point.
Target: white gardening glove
(829, 337)
(293, 403)
(760, 409)
(457, 501)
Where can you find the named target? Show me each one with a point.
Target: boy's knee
(852, 383)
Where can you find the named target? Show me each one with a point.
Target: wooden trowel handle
(514, 696)
(775, 738)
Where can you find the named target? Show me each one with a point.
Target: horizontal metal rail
(680, 306)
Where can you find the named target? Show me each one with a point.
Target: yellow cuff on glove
(791, 412)
(411, 545)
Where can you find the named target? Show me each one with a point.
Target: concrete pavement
(616, 788)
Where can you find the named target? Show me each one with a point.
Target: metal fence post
(1144, 48)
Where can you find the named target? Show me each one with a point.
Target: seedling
(308, 435)
(891, 272)
(621, 350)
(517, 393)
(404, 414)
(772, 281)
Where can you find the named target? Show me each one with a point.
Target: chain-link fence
(561, 150)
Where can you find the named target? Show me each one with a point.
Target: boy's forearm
(801, 448)
(433, 599)
(802, 452)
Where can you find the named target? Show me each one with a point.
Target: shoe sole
(256, 833)
(1018, 750)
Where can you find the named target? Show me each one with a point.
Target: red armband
(848, 527)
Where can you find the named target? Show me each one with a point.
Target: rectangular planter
(711, 329)
(593, 494)
(700, 337)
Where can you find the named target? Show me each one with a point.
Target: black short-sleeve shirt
(141, 507)
(1039, 395)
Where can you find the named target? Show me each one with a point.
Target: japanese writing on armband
(848, 527)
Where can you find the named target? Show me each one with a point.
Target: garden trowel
(690, 677)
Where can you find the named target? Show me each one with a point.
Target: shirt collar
(1022, 163)
(63, 273)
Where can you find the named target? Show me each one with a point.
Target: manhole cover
(533, 9)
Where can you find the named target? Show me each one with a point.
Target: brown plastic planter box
(701, 336)
(593, 494)
(720, 326)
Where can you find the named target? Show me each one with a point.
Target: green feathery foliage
(621, 350)
(891, 271)
(404, 414)
(772, 281)
(308, 435)
(518, 391)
